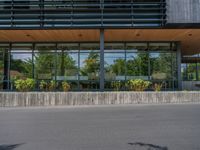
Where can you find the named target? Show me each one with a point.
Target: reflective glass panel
(21, 64)
(192, 71)
(114, 65)
(67, 66)
(137, 65)
(45, 62)
(89, 66)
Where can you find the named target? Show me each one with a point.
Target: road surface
(124, 127)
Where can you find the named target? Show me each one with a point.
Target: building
(93, 43)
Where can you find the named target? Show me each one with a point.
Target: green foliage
(65, 62)
(65, 86)
(44, 63)
(138, 84)
(43, 85)
(25, 85)
(52, 85)
(119, 66)
(161, 66)
(116, 85)
(157, 87)
(92, 64)
(23, 67)
(48, 86)
(138, 65)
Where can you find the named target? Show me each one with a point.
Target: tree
(92, 64)
(119, 66)
(138, 66)
(65, 62)
(23, 68)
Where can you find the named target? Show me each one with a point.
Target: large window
(191, 67)
(45, 62)
(67, 64)
(137, 59)
(89, 66)
(79, 64)
(162, 64)
(114, 64)
(21, 66)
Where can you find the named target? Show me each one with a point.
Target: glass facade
(190, 68)
(79, 64)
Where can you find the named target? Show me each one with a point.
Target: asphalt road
(140, 127)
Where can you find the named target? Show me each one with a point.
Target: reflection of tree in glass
(138, 65)
(44, 63)
(65, 62)
(119, 66)
(161, 66)
(191, 71)
(21, 68)
(92, 64)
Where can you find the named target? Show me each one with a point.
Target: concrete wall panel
(26, 99)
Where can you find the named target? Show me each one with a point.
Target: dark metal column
(179, 66)
(6, 69)
(101, 74)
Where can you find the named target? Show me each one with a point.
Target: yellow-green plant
(157, 87)
(138, 85)
(116, 85)
(52, 85)
(65, 86)
(43, 85)
(25, 85)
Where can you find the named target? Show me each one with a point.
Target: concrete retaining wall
(20, 99)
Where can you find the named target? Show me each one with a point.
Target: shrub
(138, 85)
(52, 85)
(20, 85)
(116, 85)
(43, 85)
(25, 85)
(65, 86)
(30, 84)
(157, 87)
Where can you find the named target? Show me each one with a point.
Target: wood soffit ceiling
(189, 38)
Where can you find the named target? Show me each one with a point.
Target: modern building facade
(93, 43)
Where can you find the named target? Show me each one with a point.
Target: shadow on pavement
(9, 147)
(146, 146)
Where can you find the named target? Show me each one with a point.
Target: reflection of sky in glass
(111, 57)
(22, 56)
(83, 57)
(74, 56)
(131, 56)
(154, 55)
